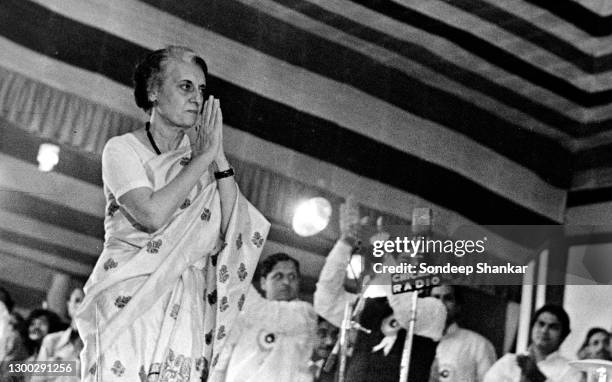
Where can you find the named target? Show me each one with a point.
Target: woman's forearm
(228, 192)
(153, 209)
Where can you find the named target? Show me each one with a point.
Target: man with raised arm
(377, 356)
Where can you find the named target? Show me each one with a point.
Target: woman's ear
(153, 95)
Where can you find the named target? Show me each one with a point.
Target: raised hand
(381, 234)
(529, 369)
(351, 225)
(207, 135)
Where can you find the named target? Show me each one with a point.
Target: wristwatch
(224, 174)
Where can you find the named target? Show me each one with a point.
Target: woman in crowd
(181, 242)
(65, 345)
(596, 345)
(41, 322)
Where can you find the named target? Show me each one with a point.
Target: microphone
(421, 221)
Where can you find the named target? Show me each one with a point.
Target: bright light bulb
(311, 216)
(48, 156)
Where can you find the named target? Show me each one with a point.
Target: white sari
(158, 306)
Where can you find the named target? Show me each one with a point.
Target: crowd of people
(42, 336)
(171, 298)
(278, 337)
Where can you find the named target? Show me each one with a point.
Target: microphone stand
(340, 349)
(407, 352)
(344, 329)
(421, 224)
(330, 362)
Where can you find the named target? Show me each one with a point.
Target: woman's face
(39, 328)
(181, 93)
(546, 332)
(597, 348)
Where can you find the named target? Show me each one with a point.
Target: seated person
(549, 328)
(273, 337)
(377, 356)
(327, 335)
(65, 345)
(596, 345)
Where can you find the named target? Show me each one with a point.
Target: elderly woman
(181, 243)
(596, 345)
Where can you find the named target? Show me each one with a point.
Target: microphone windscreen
(421, 220)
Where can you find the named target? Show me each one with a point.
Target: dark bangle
(224, 174)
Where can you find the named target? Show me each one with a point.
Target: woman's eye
(186, 86)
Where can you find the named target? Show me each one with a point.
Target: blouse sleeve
(122, 168)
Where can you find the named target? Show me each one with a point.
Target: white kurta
(158, 306)
(463, 356)
(58, 347)
(555, 367)
(271, 341)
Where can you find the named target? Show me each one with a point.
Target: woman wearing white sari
(181, 242)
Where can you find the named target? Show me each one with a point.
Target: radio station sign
(405, 282)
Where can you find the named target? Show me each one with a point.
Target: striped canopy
(489, 112)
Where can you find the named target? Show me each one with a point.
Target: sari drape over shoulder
(159, 306)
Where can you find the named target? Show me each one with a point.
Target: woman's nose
(197, 98)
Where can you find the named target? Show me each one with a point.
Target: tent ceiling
(491, 111)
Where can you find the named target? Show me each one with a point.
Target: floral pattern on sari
(133, 314)
(185, 204)
(241, 302)
(121, 301)
(110, 264)
(118, 369)
(205, 215)
(239, 241)
(224, 304)
(242, 272)
(223, 274)
(153, 246)
(176, 368)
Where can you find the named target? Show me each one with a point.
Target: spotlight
(311, 216)
(48, 156)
